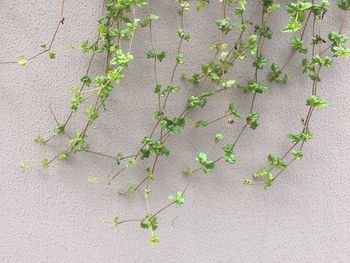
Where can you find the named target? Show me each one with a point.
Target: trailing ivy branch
(247, 23)
(45, 48)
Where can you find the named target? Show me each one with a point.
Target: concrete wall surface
(52, 215)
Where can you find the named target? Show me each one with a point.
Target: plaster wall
(52, 215)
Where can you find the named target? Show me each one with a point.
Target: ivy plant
(244, 33)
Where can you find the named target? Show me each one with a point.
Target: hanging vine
(248, 22)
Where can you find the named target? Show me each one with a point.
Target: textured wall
(52, 215)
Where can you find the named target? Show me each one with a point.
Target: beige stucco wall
(52, 215)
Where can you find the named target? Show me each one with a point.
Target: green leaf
(297, 154)
(306, 136)
(43, 45)
(263, 31)
(131, 190)
(253, 120)
(318, 9)
(145, 22)
(86, 80)
(293, 25)
(149, 222)
(225, 25)
(187, 170)
(122, 59)
(232, 110)
(157, 89)
(45, 163)
(229, 84)
(180, 58)
(184, 6)
(252, 45)
(85, 46)
(92, 114)
(341, 51)
(316, 101)
(201, 4)
(150, 54)
(161, 55)
(119, 158)
(218, 137)
(229, 155)
(294, 138)
(149, 173)
(260, 62)
(21, 60)
(246, 181)
(77, 143)
(255, 87)
(181, 33)
(75, 90)
(40, 140)
(104, 83)
(266, 175)
(116, 221)
(173, 126)
(276, 75)
(59, 129)
(276, 162)
(194, 79)
(63, 155)
(92, 180)
(154, 239)
(206, 164)
(52, 55)
(201, 123)
(344, 4)
(171, 89)
(297, 10)
(24, 165)
(74, 103)
(268, 181)
(261, 173)
(298, 45)
(131, 162)
(177, 198)
(194, 101)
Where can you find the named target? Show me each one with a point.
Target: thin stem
(53, 38)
